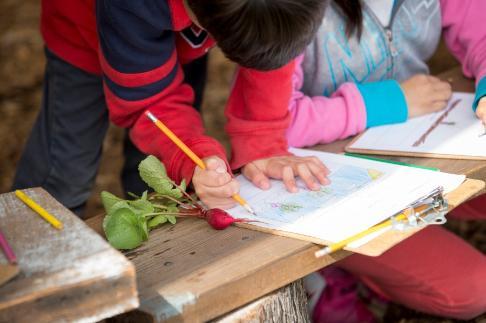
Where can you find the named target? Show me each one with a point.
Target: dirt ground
(21, 74)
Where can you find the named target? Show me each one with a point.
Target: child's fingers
(256, 176)
(212, 178)
(216, 164)
(433, 79)
(440, 96)
(212, 202)
(320, 172)
(289, 179)
(219, 192)
(319, 164)
(481, 111)
(438, 105)
(443, 87)
(306, 175)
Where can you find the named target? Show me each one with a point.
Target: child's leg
(63, 151)
(474, 209)
(433, 271)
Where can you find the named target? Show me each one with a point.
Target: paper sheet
(362, 193)
(453, 131)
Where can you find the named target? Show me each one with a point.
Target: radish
(220, 219)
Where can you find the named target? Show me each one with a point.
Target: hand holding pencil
(214, 185)
(211, 179)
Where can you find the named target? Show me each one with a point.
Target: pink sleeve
(320, 119)
(464, 26)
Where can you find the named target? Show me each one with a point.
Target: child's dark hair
(353, 11)
(260, 34)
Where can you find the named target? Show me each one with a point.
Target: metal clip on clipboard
(428, 210)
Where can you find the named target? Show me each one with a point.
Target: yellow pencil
(198, 161)
(343, 243)
(38, 209)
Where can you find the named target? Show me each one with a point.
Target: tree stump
(287, 304)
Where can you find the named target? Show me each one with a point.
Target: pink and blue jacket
(342, 85)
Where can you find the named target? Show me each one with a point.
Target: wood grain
(69, 275)
(192, 272)
(7, 272)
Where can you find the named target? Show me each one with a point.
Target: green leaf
(183, 185)
(153, 172)
(122, 204)
(157, 220)
(143, 225)
(171, 218)
(141, 206)
(133, 195)
(144, 196)
(122, 229)
(109, 200)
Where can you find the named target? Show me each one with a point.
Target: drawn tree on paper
(287, 207)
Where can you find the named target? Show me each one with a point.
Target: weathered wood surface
(65, 276)
(193, 273)
(286, 305)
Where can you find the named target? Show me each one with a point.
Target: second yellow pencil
(39, 209)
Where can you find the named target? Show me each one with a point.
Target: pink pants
(434, 271)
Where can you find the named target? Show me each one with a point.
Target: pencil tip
(249, 209)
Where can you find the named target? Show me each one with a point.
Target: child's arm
(464, 26)
(348, 111)
(141, 72)
(258, 119)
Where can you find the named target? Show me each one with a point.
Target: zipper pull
(389, 36)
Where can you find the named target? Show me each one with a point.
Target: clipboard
(348, 148)
(452, 133)
(386, 240)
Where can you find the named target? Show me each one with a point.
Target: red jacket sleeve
(258, 115)
(141, 72)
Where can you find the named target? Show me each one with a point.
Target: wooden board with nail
(60, 275)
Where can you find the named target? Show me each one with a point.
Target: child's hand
(310, 169)
(425, 94)
(214, 186)
(481, 110)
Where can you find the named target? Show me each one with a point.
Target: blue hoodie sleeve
(385, 103)
(480, 92)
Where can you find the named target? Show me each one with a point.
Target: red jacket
(138, 48)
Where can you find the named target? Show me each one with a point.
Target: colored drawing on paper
(374, 174)
(437, 123)
(345, 180)
(287, 207)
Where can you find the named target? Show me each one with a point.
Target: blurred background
(21, 74)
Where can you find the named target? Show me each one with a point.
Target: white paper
(457, 134)
(362, 193)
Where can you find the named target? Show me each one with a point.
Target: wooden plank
(70, 275)
(192, 272)
(195, 273)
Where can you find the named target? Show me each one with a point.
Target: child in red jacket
(122, 57)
